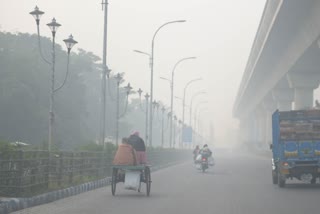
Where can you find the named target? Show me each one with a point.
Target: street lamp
(183, 102)
(197, 121)
(172, 85)
(151, 67)
(180, 132)
(147, 113)
(174, 130)
(163, 109)
(118, 78)
(196, 111)
(192, 98)
(105, 73)
(70, 42)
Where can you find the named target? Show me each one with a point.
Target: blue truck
(295, 146)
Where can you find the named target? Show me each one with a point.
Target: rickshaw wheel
(114, 181)
(148, 179)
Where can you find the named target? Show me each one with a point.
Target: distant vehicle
(295, 146)
(17, 143)
(110, 139)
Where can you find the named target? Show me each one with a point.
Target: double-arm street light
(70, 42)
(172, 91)
(191, 102)
(184, 100)
(196, 112)
(151, 61)
(197, 121)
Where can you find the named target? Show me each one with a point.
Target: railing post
(71, 168)
(60, 169)
(20, 189)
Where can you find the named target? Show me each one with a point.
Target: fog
(219, 33)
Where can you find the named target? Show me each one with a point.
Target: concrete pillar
(248, 130)
(303, 84)
(261, 127)
(303, 98)
(284, 106)
(270, 106)
(243, 128)
(283, 98)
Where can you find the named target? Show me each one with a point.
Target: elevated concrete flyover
(283, 68)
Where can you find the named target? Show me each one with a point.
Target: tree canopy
(25, 90)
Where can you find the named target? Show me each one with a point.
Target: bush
(5, 146)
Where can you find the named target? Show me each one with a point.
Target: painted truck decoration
(295, 146)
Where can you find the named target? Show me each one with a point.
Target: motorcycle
(204, 164)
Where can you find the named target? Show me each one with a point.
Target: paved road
(238, 184)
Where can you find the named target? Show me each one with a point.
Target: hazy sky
(219, 33)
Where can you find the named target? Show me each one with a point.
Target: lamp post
(180, 132)
(184, 103)
(118, 79)
(146, 112)
(196, 110)
(174, 130)
(192, 98)
(147, 119)
(172, 85)
(105, 73)
(70, 42)
(118, 115)
(151, 67)
(194, 126)
(163, 109)
(197, 121)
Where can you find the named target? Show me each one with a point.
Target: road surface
(238, 184)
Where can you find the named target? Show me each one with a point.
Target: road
(238, 184)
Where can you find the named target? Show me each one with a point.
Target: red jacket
(125, 155)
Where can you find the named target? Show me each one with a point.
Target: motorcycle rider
(196, 152)
(205, 151)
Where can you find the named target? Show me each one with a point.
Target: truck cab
(295, 146)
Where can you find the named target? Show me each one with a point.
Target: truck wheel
(274, 177)
(313, 180)
(281, 181)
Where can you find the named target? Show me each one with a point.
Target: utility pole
(105, 74)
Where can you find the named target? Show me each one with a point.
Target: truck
(295, 146)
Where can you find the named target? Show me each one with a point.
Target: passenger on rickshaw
(138, 144)
(125, 154)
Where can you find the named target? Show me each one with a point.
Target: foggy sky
(219, 33)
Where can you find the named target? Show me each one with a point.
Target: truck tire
(313, 180)
(281, 181)
(274, 177)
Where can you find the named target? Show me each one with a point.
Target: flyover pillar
(269, 106)
(303, 84)
(249, 130)
(283, 98)
(260, 126)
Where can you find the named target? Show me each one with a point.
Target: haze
(218, 33)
